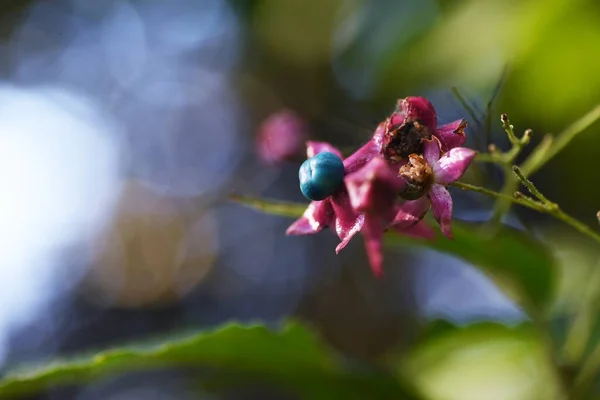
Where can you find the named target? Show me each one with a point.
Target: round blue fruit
(321, 175)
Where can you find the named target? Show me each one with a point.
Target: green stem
(463, 102)
(506, 160)
(538, 154)
(534, 205)
(509, 129)
(523, 201)
(536, 161)
(531, 187)
(283, 208)
(502, 205)
(485, 158)
(580, 226)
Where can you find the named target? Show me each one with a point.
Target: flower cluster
(393, 180)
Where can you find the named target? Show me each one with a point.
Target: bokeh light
(60, 174)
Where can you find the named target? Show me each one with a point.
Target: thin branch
(538, 154)
(488, 111)
(580, 226)
(539, 160)
(485, 158)
(531, 187)
(506, 160)
(534, 205)
(465, 105)
(524, 201)
(509, 129)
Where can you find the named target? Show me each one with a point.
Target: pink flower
(414, 120)
(393, 180)
(373, 191)
(430, 173)
(367, 202)
(281, 137)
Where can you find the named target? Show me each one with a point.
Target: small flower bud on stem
(509, 129)
(526, 137)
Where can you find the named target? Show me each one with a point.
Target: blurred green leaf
(482, 361)
(522, 266)
(292, 359)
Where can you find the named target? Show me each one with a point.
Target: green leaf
(522, 267)
(482, 361)
(292, 359)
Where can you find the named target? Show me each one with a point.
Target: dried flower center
(406, 139)
(418, 175)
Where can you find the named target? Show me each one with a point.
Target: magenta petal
(361, 156)
(420, 230)
(374, 188)
(373, 234)
(442, 208)
(452, 134)
(313, 148)
(347, 221)
(431, 151)
(411, 212)
(318, 215)
(452, 165)
(419, 108)
(396, 119)
(379, 135)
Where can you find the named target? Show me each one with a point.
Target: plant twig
(463, 102)
(536, 161)
(509, 129)
(485, 158)
(580, 226)
(506, 160)
(488, 114)
(524, 201)
(545, 151)
(470, 110)
(534, 205)
(538, 154)
(531, 187)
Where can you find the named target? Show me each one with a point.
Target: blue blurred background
(124, 125)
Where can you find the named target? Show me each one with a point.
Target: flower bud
(281, 137)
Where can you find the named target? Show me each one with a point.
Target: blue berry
(321, 175)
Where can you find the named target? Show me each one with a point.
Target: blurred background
(124, 125)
